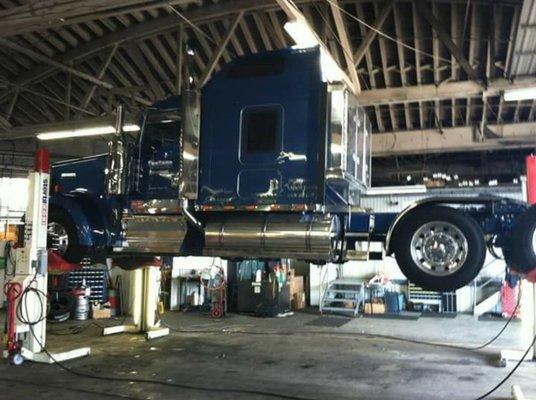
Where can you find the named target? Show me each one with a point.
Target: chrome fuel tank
(309, 237)
(153, 234)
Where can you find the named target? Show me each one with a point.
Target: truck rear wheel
(522, 246)
(439, 248)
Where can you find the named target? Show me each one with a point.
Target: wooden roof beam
(445, 38)
(371, 34)
(53, 63)
(456, 139)
(342, 32)
(219, 51)
(444, 91)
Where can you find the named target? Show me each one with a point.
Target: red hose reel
(12, 291)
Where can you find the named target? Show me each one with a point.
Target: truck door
(159, 156)
(261, 145)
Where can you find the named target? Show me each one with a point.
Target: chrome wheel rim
(439, 248)
(58, 239)
(534, 241)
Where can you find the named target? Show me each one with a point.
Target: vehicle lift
(144, 292)
(26, 291)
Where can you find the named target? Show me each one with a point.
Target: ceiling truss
(421, 66)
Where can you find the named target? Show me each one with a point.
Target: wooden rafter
(104, 67)
(372, 33)
(219, 51)
(344, 40)
(437, 25)
(53, 63)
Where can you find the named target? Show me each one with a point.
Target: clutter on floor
(264, 288)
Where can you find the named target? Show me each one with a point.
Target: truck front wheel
(439, 248)
(62, 236)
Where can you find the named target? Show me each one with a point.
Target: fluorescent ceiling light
(93, 131)
(303, 35)
(100, 130)
(130, 128)
(520, 94)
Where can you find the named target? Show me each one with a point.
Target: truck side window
(261, 133)
(162, 134)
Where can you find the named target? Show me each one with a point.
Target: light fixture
(304, 36)
(81, 132)
(301, 33)
(336, 148)
(130, 128)
(528, 93)
(69, 133)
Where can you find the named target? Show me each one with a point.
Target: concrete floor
(279, 355)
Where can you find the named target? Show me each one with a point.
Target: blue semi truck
(268, 161)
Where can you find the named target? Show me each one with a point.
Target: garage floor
(284, 356)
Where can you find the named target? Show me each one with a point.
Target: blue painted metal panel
(382, 222)
(289, 81)
(82, 197)
(84, 174)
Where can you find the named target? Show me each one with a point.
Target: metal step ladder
(343, 295)
(486, 296)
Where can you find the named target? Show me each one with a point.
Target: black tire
(74, 252)
(521, 252)
(469, 269)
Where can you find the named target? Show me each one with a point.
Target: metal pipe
(190, 217)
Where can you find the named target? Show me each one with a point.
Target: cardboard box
(102, 313)
(374, 308)
(298, 301)
(296, 285)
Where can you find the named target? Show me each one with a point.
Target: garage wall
(13, 195)
(187, 266)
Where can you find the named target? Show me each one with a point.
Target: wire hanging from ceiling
(385, 35)
(194, 26)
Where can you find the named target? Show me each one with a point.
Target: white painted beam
(448, 90)
(452, 140)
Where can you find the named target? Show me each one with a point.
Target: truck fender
(446, 200)
(90, 230)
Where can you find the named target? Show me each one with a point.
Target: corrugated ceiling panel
(524, 57)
